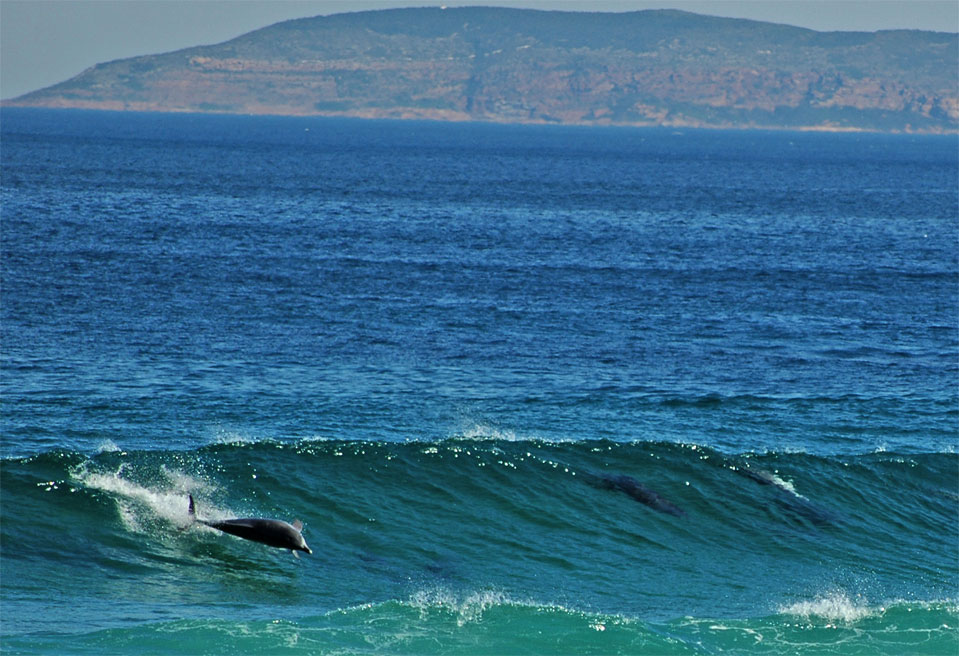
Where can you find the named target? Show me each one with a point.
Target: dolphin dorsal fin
(297, 524)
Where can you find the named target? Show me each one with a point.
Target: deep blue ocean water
(530, 389)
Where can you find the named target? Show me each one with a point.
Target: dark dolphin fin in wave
(633, 488)
(787, 498)
(272, 532)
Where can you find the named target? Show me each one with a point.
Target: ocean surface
(531, 390)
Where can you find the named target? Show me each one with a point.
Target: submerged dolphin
(272, 532)
(630, 486)
(788, 499)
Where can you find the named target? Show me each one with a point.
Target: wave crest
(142, 504)
(835, 606)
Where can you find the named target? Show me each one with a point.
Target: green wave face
(503, 539)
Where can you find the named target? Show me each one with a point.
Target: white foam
(481, 432)
(107, 446)
(487, 432)
(835, 606)
(141, 505)
(184, 483)
(226, 436)
(467, 610)
(785, 485)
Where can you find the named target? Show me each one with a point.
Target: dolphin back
(271, 532)
(633, 488)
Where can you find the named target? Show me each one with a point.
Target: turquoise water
(538, 390)
(480, 542)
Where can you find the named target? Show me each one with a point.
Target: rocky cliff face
(641, 68)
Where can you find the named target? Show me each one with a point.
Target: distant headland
(644, 68)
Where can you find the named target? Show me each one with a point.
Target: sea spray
(427, 522)
(472, 318)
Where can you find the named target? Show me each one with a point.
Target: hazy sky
(43, 42)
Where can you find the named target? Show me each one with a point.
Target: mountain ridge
(652, 67)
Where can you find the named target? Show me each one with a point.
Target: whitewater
(529, 389)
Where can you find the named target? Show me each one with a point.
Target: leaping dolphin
(272, 532)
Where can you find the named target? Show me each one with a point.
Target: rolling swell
(518, 518)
